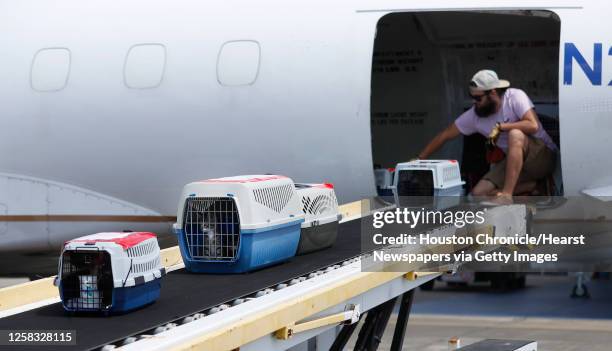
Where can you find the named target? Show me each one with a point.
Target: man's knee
(516, 138)
(516, 135)
(479, 192)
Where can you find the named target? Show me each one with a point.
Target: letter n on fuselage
(594, 73)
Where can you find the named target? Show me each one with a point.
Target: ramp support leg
(343, 337)
(402, 320)
(373, 328)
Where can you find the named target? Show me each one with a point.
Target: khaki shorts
(538, 163)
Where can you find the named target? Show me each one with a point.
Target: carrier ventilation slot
(275, 198)
(141, 249)
(320, 204)
(211, 228)
(450, 174)
(146, 266)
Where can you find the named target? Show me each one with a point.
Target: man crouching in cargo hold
(519, 149)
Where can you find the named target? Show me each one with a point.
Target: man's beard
(485, 110)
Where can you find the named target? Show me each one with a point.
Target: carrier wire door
(212, 228)
(87, 280)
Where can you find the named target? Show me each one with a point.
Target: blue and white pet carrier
(384, 181)
(110, 272)
(428, 183)
(238, 224)
(320, 208)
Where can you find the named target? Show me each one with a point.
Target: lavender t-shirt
(515, 103)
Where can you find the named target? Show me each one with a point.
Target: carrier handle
(86, 248)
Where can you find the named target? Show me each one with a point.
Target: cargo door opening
(422, 65)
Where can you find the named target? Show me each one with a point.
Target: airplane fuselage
(109, 108)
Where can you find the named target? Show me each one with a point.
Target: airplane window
(144, 66)
(50, 70)
(238, 63)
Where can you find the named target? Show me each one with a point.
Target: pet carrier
(384, 181)
(238, 224)
(428, 183)
(109, 272)
(320, 208)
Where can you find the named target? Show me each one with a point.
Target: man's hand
(494, 135)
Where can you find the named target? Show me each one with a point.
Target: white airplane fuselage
(109, 108)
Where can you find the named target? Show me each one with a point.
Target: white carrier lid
(249, 179)
(124, 240)
(135, 256)
(262, 201)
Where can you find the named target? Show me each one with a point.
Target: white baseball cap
(487, 79)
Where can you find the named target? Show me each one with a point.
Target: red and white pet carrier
(110, 272)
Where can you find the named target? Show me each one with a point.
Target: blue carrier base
(258, 248)
(129, 298)
(124, 299)
(384, 191)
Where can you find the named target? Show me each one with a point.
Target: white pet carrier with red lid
(110, 272)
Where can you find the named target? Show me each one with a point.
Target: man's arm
(528, 123)
(450, 132)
